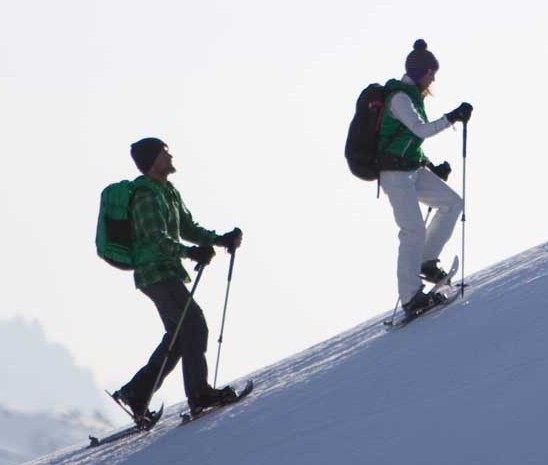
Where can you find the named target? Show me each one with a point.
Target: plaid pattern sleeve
(189, 230)
(193, 232)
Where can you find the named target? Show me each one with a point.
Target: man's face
(163, 164)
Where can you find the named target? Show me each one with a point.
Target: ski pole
(200, 269)
(428, 215)
(463, 217)
(391, 321)
(220, 340)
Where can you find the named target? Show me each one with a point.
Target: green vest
(394, 137)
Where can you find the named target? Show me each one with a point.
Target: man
(406, 181)
(159, 220)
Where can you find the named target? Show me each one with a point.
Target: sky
(254, 100)
(482, 402)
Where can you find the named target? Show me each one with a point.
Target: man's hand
(201, 254)
(231, 240)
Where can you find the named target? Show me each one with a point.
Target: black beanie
(145, 151)
(420, 60)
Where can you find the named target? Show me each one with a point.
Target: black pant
(170, 298)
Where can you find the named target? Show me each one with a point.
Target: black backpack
(361, 149)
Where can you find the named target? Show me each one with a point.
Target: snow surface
(464, 385)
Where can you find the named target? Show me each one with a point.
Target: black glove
(443, 170)
(462, 113)
(201, 254)
(231, 240)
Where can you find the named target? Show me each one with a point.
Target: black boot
(419, 302)
(136, 404)
(430, 271)
(211, 398)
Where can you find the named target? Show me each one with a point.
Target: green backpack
(113, 236)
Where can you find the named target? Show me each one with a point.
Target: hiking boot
(136, 405)
(228, 394)
(430, 271)
(419, 302)
(211, 398)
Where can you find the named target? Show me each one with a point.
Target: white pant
(418, 242)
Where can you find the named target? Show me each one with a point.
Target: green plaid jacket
(159, 221)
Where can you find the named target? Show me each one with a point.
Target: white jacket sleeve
(401, 107)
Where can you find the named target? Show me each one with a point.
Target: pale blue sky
(254, 99)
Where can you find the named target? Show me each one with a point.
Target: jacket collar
(408, 80)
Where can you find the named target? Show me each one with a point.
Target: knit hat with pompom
(420, 60)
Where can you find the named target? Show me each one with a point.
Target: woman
(407, 182)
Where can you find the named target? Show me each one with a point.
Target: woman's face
(427, 79)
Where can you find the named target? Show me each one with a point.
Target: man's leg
(170, 298)
(192, 344)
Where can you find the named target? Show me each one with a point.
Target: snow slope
(465, 385)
